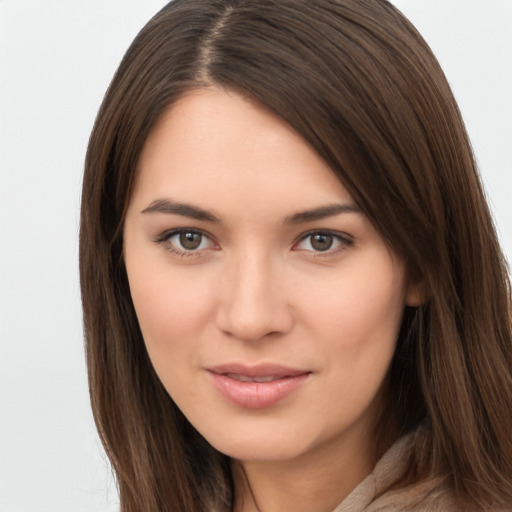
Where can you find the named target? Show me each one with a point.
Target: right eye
(185, 242)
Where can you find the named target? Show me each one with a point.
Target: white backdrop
(56, 60)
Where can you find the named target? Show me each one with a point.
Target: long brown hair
(361, 86)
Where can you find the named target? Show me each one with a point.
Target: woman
(293, 294)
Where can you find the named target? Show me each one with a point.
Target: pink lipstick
(256, 387)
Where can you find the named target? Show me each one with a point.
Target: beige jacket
(371, 496)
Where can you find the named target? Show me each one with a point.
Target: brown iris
(321, 242)
(190, 240)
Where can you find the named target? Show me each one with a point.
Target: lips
(256, 387)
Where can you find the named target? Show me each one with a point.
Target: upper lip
(259, 370)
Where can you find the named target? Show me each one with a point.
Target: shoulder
(379, 493)
(427, 496)
(376, 493)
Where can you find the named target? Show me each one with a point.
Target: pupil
(190, 240)
(321, 242)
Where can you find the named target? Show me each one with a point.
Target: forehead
(220, 149)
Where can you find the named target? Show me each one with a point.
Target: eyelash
(342, 240)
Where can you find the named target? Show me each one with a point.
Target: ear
(415, 294)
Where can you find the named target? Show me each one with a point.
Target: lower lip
(257, 395)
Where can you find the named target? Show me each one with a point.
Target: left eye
(188, 240)
(321, 242)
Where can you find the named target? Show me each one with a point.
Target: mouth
(257, 387)
(246, 378)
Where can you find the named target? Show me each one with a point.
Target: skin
(257, 290)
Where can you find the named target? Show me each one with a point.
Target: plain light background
(56, 60)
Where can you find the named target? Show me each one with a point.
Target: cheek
(356, 326)
(362, 299)
(172, 316)
(170, 308)
(359, 321)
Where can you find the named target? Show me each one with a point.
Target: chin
(260, 450)
(253, 442)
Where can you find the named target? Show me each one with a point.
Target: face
(268, 303)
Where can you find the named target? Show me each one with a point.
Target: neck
(317, 481)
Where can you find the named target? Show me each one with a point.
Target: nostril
(256, 323)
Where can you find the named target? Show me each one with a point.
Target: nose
(253, 301)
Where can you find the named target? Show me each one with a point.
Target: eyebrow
(167, 206)
(322, 212)
(185, 210)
